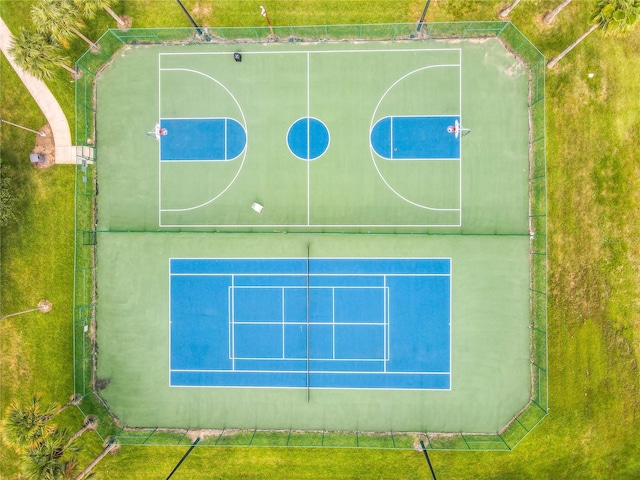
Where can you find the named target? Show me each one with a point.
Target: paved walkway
(65, 151)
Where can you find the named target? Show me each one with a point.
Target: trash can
(37, 158)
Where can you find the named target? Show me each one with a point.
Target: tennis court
(320, 236)
(321, 323)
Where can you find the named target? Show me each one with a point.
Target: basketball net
(457, 129)
(157, 132)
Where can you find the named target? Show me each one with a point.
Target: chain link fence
(85, 353)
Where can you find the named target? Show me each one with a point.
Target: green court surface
(348, 87)
(347, 203)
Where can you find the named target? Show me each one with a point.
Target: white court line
(388, 299)
(416, 159)
(196, 118)
(375, 110)
(230, 340)
(359, 389)
(417, 116)
(274, 323)
(308, 142)
(300, 52)
(425, 159)
(308, 223)
(313, 259)
(303, 287)
(233, 328)
(170, 322)
(390, 134)
(384, 287)
(244, 151)
(302, 372)
(201, 161)
(460, 167)
(304, 359)
(293, 323)
(317, 225)
(385, 324)
(313, 275)
(386, 327)
(450, 330)
(283, 324)
(159, 145)
(333, 323)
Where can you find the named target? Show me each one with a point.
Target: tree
(90, 423)
(34, 53)
(614, 17)
(53, 458)
(109, 445)
(505, 13)
(550, 17)
(24, 427)
(59, 20)
(89, 8)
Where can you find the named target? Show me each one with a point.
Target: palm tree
(89, 7)
(35, 54)
(58, 19)
(24, 427)
(550, 17)
(90, 423)
(505, 13)
(53, 458)
(109, 445)
(614, 17)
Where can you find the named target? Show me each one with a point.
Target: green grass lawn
(594, 326)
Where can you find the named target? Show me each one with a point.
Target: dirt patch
(201, 9)
(45, 146)
(202, 434)
(128, 21)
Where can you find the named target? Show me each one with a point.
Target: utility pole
(193, 22)
(42, 134)
(44, 306)
(263, 12)
(424, 14)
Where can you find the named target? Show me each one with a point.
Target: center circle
(308, 138)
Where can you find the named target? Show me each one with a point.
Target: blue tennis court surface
(201, 139)
(415, 138)
(317, 323)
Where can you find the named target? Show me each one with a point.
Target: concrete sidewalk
(65, 151)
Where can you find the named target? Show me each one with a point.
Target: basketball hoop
(457, 129)
(158, 131)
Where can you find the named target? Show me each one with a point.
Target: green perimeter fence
(84, 325)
